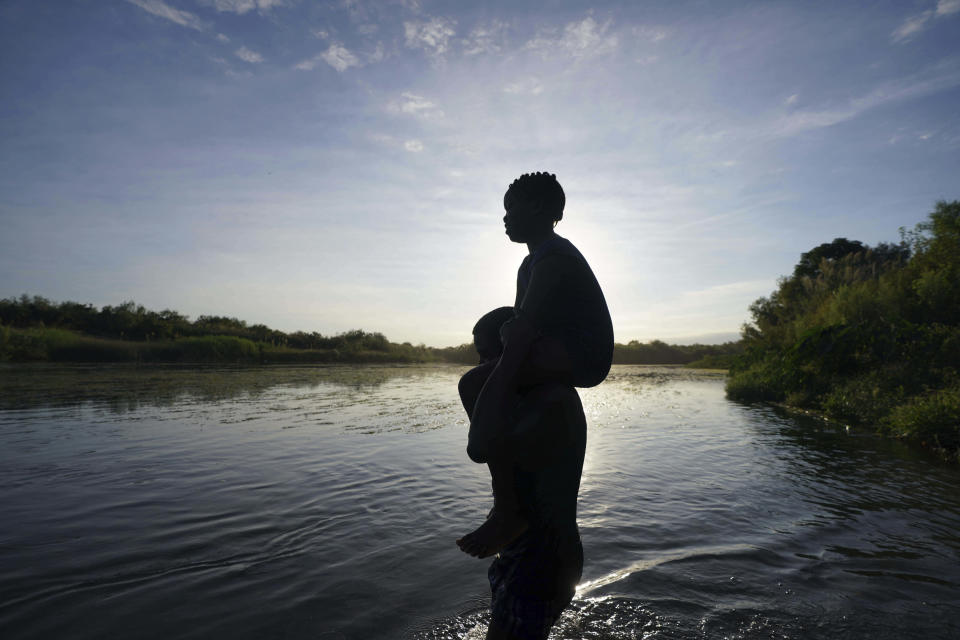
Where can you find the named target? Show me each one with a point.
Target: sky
(327, 166)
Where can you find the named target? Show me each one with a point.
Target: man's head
(486, 333)
(534, 204)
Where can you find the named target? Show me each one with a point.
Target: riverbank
(866, 335)
(933, 445)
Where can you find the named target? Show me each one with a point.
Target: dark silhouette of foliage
(34, 328)
(659, 352)
(809, 265)
(869, 335)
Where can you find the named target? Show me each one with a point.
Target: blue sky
(334, 165)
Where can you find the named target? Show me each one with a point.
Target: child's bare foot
(501, 528)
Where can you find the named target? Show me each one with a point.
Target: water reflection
(127, 388)
(323, 502)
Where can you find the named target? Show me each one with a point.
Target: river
(323, 503)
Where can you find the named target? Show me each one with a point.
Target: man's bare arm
(487, 421)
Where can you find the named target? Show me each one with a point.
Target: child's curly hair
(542, 186)
(490, 323)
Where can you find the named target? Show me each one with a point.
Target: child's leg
(471, 383)
(506, 521)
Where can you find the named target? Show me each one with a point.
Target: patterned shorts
(531, 582)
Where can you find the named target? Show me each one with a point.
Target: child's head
(486, 333)
(534, 204)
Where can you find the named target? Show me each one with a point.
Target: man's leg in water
(494, 632)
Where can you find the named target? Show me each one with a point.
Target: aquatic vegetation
(868, 335)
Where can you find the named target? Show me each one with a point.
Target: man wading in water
(526, 420)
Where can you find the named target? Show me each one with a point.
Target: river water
(323, 503)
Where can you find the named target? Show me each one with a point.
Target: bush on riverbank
(870, 335)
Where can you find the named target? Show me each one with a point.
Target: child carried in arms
(559, 333)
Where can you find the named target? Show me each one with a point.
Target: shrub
(864, 399)
(932, 418)
(761, 381)
(217, 349)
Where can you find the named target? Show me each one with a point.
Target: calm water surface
(323, 503)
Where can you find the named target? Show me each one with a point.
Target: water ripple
(322, 502)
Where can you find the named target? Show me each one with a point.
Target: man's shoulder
(559, 262)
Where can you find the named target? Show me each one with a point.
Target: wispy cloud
(412, 145)
(653, 34)
(382, 138)
(485, 39)
(912, 26)
(432, 36)
(243, 6)
(917, 23)
(377, 55)
(947, 7)
(582, 39)
(339, 57)
(528, 86)
(222, 38)
(783, 122)
(359, 12)
(415, 105)
(804, 120)
(309, 64)
(248, 56)
(163, 10)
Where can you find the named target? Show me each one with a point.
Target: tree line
(36, 328)
(132, 321)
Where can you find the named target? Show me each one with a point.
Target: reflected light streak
(589, 586)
